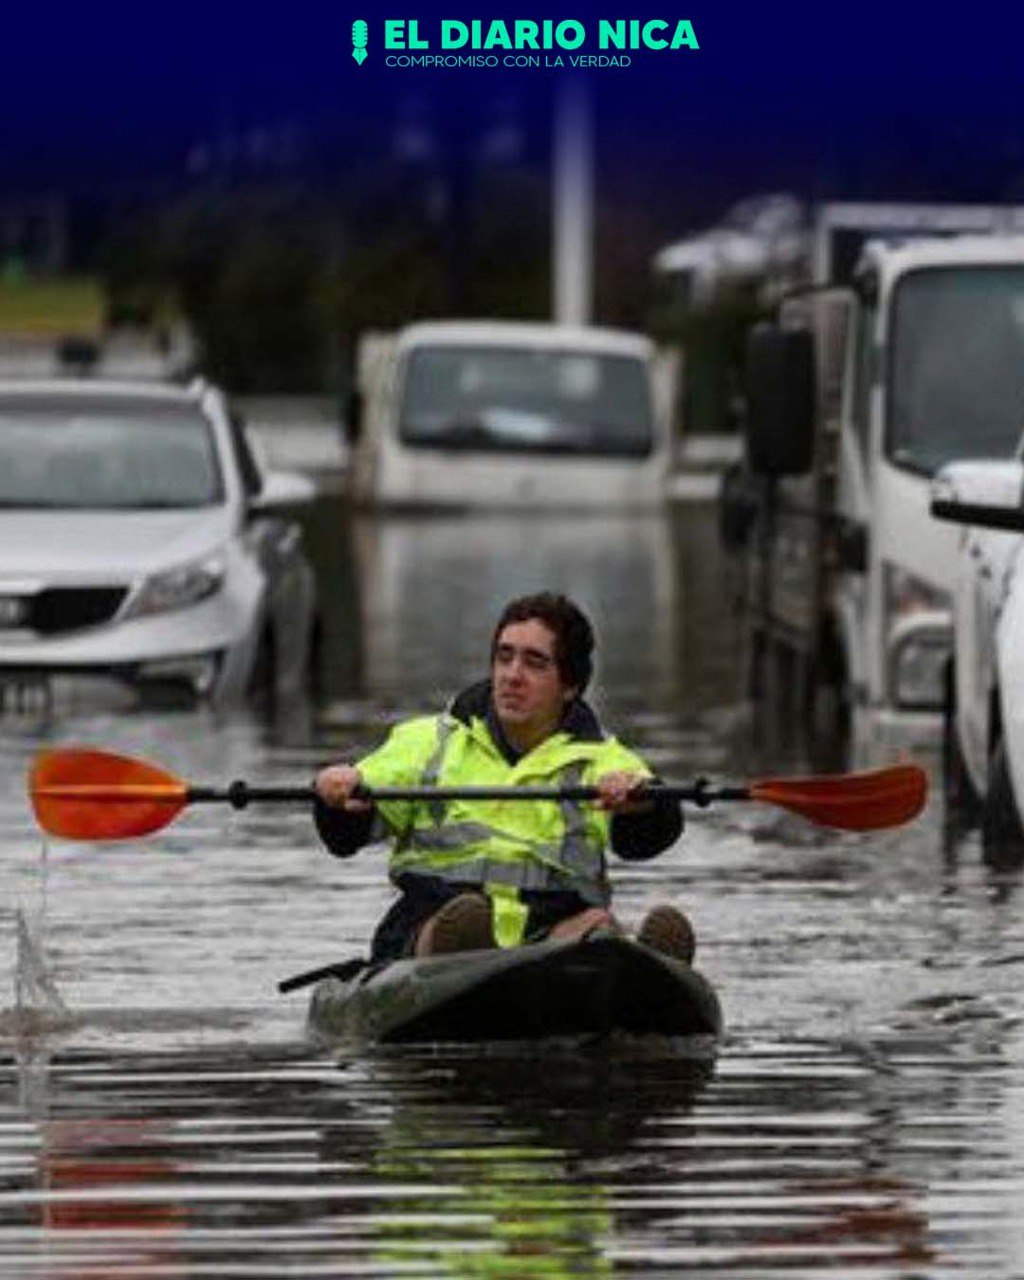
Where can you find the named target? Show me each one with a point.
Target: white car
(140, 541)
(983, 741)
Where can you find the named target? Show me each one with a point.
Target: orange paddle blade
(865, 801)
(96, 795)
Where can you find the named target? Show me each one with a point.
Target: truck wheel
(831, 710)
(831, 727)
(1002, 836)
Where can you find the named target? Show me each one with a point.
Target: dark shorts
(421, 896)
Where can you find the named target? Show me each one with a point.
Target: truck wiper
(465, 431)
(27, 504)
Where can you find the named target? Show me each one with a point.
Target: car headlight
(179, 587)
(919, 639)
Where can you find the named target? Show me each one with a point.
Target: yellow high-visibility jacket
(535, 845)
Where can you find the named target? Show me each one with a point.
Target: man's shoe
(667, 930)
(463, 924)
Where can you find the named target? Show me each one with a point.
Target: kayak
(538, 991)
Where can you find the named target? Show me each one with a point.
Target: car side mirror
(281, 490)
(984, 493)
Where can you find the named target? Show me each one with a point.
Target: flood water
(162, 1113)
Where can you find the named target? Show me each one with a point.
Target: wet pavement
(162, 1114)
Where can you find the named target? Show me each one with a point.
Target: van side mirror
(781, 396)
(281, 491)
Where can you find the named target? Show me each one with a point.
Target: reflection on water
(162, 1115)
(431, 590)
(795, 1158)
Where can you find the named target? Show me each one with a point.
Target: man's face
(529, 695)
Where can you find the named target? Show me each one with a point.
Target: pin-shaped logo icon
(359, 38)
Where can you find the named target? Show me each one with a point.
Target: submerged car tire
(961, 804)
(1002, 835)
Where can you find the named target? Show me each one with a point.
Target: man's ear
(570, 693)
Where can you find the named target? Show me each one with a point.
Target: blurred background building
(251, 198)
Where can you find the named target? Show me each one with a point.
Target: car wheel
(961, 803)
(1002, 836)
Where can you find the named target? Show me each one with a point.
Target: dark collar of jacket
(579, 720)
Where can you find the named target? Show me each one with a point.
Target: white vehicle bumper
(210, 646)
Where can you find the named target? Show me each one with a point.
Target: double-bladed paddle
(86, 794)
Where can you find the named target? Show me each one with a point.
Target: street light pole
(572, 214)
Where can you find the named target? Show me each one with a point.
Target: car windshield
(517, 399)
(956, 384)
(76, 452)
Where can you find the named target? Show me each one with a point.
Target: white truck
(856, 394)
(498, 414)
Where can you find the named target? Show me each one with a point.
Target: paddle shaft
(239, 794)
(86, 794)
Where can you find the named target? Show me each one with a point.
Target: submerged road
(161, 1113)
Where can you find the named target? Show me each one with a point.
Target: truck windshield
(517, 399)
(90, 453)
(956, 381)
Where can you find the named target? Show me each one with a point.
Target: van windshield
(956, 382)
(517, 399)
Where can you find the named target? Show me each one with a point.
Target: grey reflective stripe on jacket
(432, 769)
(577, 854)
(523, 873)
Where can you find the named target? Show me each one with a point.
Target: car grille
(58, 609)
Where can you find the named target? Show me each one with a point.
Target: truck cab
(859, 394)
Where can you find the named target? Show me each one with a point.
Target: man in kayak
(475, 872)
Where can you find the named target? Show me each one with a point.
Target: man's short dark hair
(574, 636)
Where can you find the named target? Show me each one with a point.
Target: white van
(502, 414)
